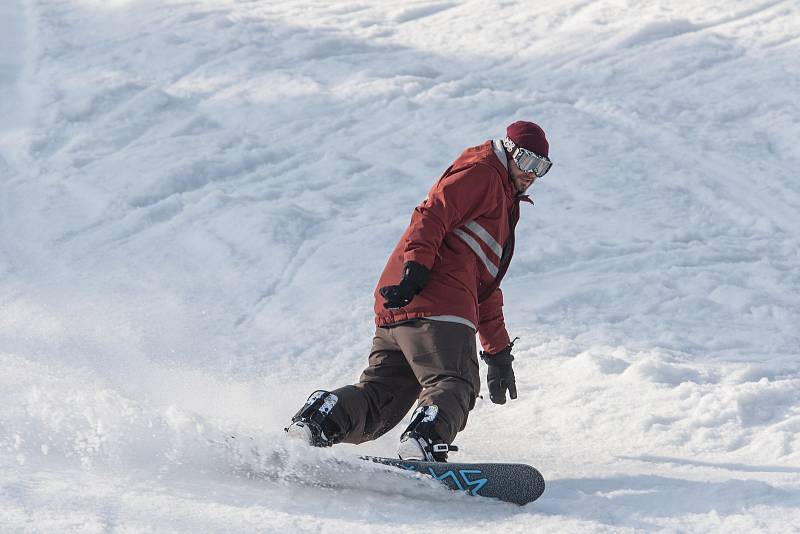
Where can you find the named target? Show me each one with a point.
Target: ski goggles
(526, 160)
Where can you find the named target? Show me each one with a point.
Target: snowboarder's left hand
(501, 375)
(415, 278)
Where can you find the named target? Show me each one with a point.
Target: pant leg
(385, 393)
(444, 359)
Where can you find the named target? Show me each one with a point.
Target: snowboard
(514, 483)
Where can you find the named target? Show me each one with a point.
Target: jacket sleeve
(491, 324)
(454, 200)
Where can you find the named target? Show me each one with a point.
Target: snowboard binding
(420, 440)
(312, 424)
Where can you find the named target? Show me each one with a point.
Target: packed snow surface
(197, 198)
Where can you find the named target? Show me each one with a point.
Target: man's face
(520, 179)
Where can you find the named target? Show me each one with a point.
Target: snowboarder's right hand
(500, 376)
(415, 277)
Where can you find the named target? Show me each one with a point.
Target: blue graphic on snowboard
(515, 483)
(461, 480)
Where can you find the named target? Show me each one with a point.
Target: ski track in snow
(197, 199)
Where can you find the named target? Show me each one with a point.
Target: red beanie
(529, 136)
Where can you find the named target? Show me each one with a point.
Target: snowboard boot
(311, 423)
(420, 441)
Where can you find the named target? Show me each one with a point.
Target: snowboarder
(440, 286)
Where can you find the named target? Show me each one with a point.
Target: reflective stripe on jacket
(464, 233)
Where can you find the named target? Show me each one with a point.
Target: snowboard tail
(514, 483)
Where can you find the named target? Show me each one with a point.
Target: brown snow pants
(433, 362)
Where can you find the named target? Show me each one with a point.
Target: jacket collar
(500, 152)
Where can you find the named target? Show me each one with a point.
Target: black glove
(415, 277)
(501, 375)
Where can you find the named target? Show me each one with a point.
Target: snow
(197, 198)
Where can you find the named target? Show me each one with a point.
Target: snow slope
(196, 199)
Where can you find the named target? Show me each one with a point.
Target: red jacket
(464, 233)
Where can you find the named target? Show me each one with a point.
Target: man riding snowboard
(440, 286)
